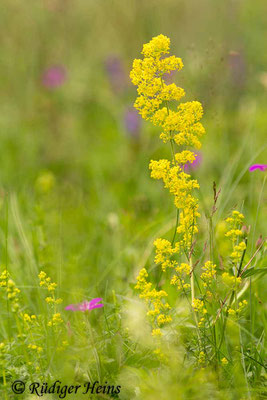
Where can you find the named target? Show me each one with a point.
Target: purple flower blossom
(54, 76)
(195, 164)
(116, 73)
(86, 305)
(132, 122)
(261, 167)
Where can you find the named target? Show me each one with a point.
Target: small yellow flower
(224, 361)
(42, 275)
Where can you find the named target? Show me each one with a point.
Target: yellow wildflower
(56, 320)
(209, 273)
(224, 361)
(198, 305)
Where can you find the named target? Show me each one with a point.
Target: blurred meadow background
(76, 197)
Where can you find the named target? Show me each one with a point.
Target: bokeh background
(74, 179)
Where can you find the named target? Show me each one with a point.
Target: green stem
(4, 382)
(176, 225)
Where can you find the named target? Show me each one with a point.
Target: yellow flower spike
(179, 124)
(157, 46)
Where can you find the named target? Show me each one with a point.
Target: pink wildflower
(261, 167)
(54, 76)
(86, 305)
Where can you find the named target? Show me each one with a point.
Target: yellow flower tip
(42, 275)
(157, 46)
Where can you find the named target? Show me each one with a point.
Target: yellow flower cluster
(182, 271)
(224, 361)
(209, 273)
(185, 157)
(236, 219)
(234, 222)
(11, 290)
(164, 251)
(231, 281)
(241, 304)
(178, 182)
(46, 282)
(51, 287)
(238, 251)
(51, 300)
(28, 320)
(180, 126)
(234, 234)
(154, 298)
(56, 320)
(198, 305)
(148, 73)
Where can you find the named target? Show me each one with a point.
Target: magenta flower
(261, 167)
(54, 76)
(86, 305)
